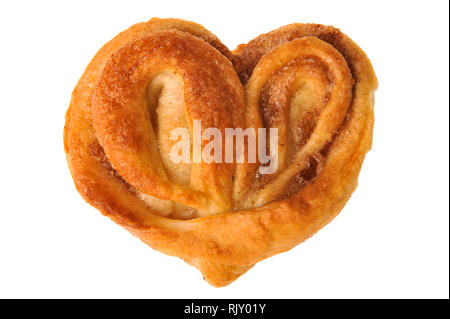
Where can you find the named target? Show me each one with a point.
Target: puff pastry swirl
(311, 82)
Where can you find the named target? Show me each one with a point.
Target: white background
(390, 241)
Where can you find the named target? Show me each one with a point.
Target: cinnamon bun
(310, 82)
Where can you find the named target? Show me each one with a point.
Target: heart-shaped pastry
(310, 82)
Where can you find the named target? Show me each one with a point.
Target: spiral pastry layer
(310, 82)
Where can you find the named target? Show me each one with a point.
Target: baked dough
(311, 82)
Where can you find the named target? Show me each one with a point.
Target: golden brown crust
(112, 173)
(212, 93)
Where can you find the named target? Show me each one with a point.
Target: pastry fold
(310, 82)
